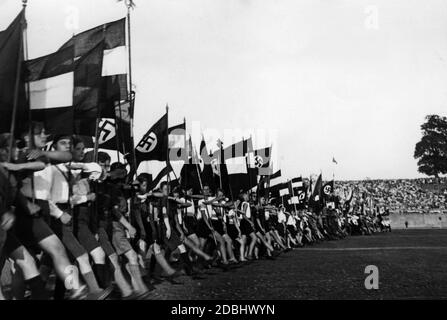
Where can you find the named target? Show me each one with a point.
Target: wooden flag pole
(118, 132)
(27, 90)
(98, 119)
(219, 160)
(186, 157)
(167, 158)
(131, 94)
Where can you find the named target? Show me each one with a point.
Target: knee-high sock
(134, 270)
(91, 282)
(161, 260)
(100, 273)
(187, 264)
(59, 290)
(37, 287)
(123, 285)
(152, 264)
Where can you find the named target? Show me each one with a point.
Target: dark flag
(206, 169)
(328, 189)
(87, 90)
(11, 55)
(189, 175)
(114, 133)
(161, 176)
(154, 144)
(316, 199)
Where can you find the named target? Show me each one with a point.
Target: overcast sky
(346, 79)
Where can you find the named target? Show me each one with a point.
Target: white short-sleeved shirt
(191, 210)
(42, 184)
(203, 208)
(247, 210)
(281, 216)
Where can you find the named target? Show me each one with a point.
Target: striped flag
(88, 72)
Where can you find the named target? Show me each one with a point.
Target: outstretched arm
(27, 166)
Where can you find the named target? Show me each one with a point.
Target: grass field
(411, 263)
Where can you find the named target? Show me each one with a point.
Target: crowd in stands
(401, 196)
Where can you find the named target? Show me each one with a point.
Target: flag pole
(17, 83)
(129, 5)
(186, 156)
(27, 90)
(219, 159)
(118, 132)
(247, 163)
(97, 120)
(167, 158)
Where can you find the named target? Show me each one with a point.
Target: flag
(115, 133)
(316, 198)
(51, 87)
(206, 169)
(270, 179)
(236, 150)
(87, 90)
(85, 78)
(189, 175)
(114, 67)
(298, 190)
(328, 188)
(235, 160)
(11, 56)
(297, 183)
(274, 183)
(284, 189)
(261, 161)
(154, 144)
(160, 177)
(176, 142)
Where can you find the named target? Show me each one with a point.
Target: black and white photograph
(222, 157)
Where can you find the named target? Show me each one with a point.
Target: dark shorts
(104, 241)
(190, 224)
(246, 227)
(281, 229)
(174, 240)
(65, 233)
(82, 228)
(154, 233)
(218, 226)
(202, 229)
(119, 239)
(258, 228)
(2, 240)
(292, 230)
(10, 244)
(30, 230)
(273, 225)
(232, 231)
